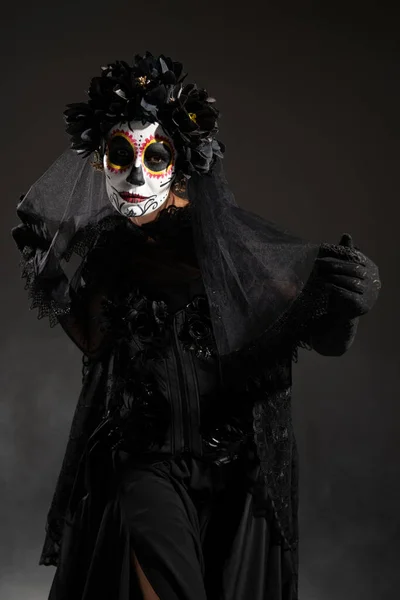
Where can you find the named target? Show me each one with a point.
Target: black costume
(182, 444)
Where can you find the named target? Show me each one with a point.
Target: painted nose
(136, 176)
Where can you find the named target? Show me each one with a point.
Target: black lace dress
(164, 455)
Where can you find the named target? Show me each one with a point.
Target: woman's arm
(84, 325)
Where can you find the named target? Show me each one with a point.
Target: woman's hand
(352, 279)
(352, 282)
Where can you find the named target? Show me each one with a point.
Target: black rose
(198, 329)
(197, 334)
(151, 89)
(160, 312)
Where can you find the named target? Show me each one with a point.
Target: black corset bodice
(165, 394)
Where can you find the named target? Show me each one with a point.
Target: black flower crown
(151, 90)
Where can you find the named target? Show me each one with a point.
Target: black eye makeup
(157, 156)
(120, 152)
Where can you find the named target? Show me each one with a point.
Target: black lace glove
(351, 278)
(352, 282)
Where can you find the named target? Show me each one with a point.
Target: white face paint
(139, 166)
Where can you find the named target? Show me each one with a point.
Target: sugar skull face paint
(139, 166)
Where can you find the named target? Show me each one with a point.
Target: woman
(180, 474)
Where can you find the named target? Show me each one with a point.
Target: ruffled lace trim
(48, 296)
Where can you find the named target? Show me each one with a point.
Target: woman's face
(139, 165)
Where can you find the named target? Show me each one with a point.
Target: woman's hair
(149, 90)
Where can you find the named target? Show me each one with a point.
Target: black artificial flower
(160, 312)
(151, 89)
(196, 334)
(135, 315)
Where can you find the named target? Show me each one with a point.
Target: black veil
(61, 208)
(253, 271)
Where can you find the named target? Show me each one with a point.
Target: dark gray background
(310, 102)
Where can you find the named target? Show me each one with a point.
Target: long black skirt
(192, 527)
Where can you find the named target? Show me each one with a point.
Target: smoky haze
(309, 106)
